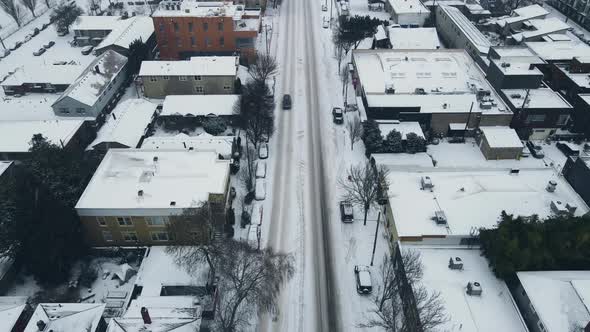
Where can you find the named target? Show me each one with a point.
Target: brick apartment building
(186, 29)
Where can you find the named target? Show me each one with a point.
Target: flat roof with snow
(560, 298)
(501, 137)
(11, 307)
(16, 136)
(52, 74)
(522, 14)
(511, 51)
(199, 105)
(541, 27)
(581, 79)
(196, 66)
(495, 310)
(562, 50)
(472, 199)
(204, 142)
(170, 182)
(477, 39)
(67, 316)
(91, 84)
(84, 22)
(127, 123)
(408, 7)
(519, 65)
(127, 31)
(414, 38)
(537, 98)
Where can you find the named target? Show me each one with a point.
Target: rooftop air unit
(551, 186)
(455, 263)
(426, 183)
(440, 218)
(389, 88)
(559, 208)
(474, 288)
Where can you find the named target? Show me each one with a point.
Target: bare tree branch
(355, 130)
(264, 67)
(13, 9)
(30, 5)
(361, 185)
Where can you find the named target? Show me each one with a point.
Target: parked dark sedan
(287, 102)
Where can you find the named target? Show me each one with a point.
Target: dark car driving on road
(287, 103)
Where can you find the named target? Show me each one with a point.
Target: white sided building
(407, 13)
(457, 31)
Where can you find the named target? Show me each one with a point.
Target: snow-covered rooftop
(541, 27)
(523, 14)
(501, 137)
(414, 38)
(127, 31)
(511, 51)
(519, 65)
(175, 180)
(563, 50)
(199, 105)
(4, 166)
(537, 98)
(160, 269)
(472, 198)
(196, 66)
(408, 7)
(495, 310)
(199, 9)
(127, 123)
(581, 79)
(91, 84)
(39, 74)
(96, 22)
(67, 316)
(15, 136)
(33, 106)
(204, 142)
(403, 127)
(477, 38)
(560, 298)
(11, 307)
(168, 314)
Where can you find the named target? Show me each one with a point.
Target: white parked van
(260, 189)
(260, 169)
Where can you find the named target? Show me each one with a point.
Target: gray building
(95, 90)
(91, 30)
(210, 75)
(515, 73)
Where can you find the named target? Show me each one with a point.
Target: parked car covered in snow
(260, 169)
(263, 151)
(260, 189)
(363, 279)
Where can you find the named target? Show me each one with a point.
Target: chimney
(41, 325)
(145, 315)
(97, 69)
(140, 193)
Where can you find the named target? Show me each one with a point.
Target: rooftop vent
(440, 218)
(173, 203)
(551, 186)
(455, 263)
(474, 288)
(559, 208)
(426, 183)
(505, 65)
(515, 96)
(140, 193)
(389, 88)
(155, 159)
(41, 325)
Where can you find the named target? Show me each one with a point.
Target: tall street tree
(65, 15)
(30, 5)
(13, 9)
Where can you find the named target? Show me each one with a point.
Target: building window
(207, 42)
(178, 42)
(182, 78)
(129, 236)
(162, 27)
(205, 26)
(199, 89)
(220, 26)
(80, 110)
(164, 43)
(176, 27)
(166, 78)
(198, 78)
(160, 236)
(124, 221)
(226, 87)
(102, 221)
(562, 119)
(221, 41)
(541, 326)
(535, 118)
(156, 221)
(107, 236)
(193, 41)
(153, 78)
(190, 26)
(64, 110)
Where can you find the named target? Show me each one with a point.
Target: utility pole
(375, 240)
(331, 3)
(467, 122)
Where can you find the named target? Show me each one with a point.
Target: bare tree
(30, 5)
(339, 54)
(388, 311)
(355, 130)
(93, 6)
(48, 3)
(13, 9)
(264, 67)
(250, 281)
(362, 185)
(345, 78)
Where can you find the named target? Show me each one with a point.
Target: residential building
(125, 32)
(437, 88)
(577, 173)
(187, 28)
(457, 31)
(222, 145)
(96, 89)
(404, 128)
(41, 79)
(498, 142)
(85, 317)
(176, 112)
(13, 313)
(414, 39)
(407, 13)
(581, 114)
(16, 136)
(248, 4)
(448, 205)
(200, 75)
(126, 126)
(91, 30)
(538, 113)
(457, 274)
(135, 193)
(553, 301)
(519, 17)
